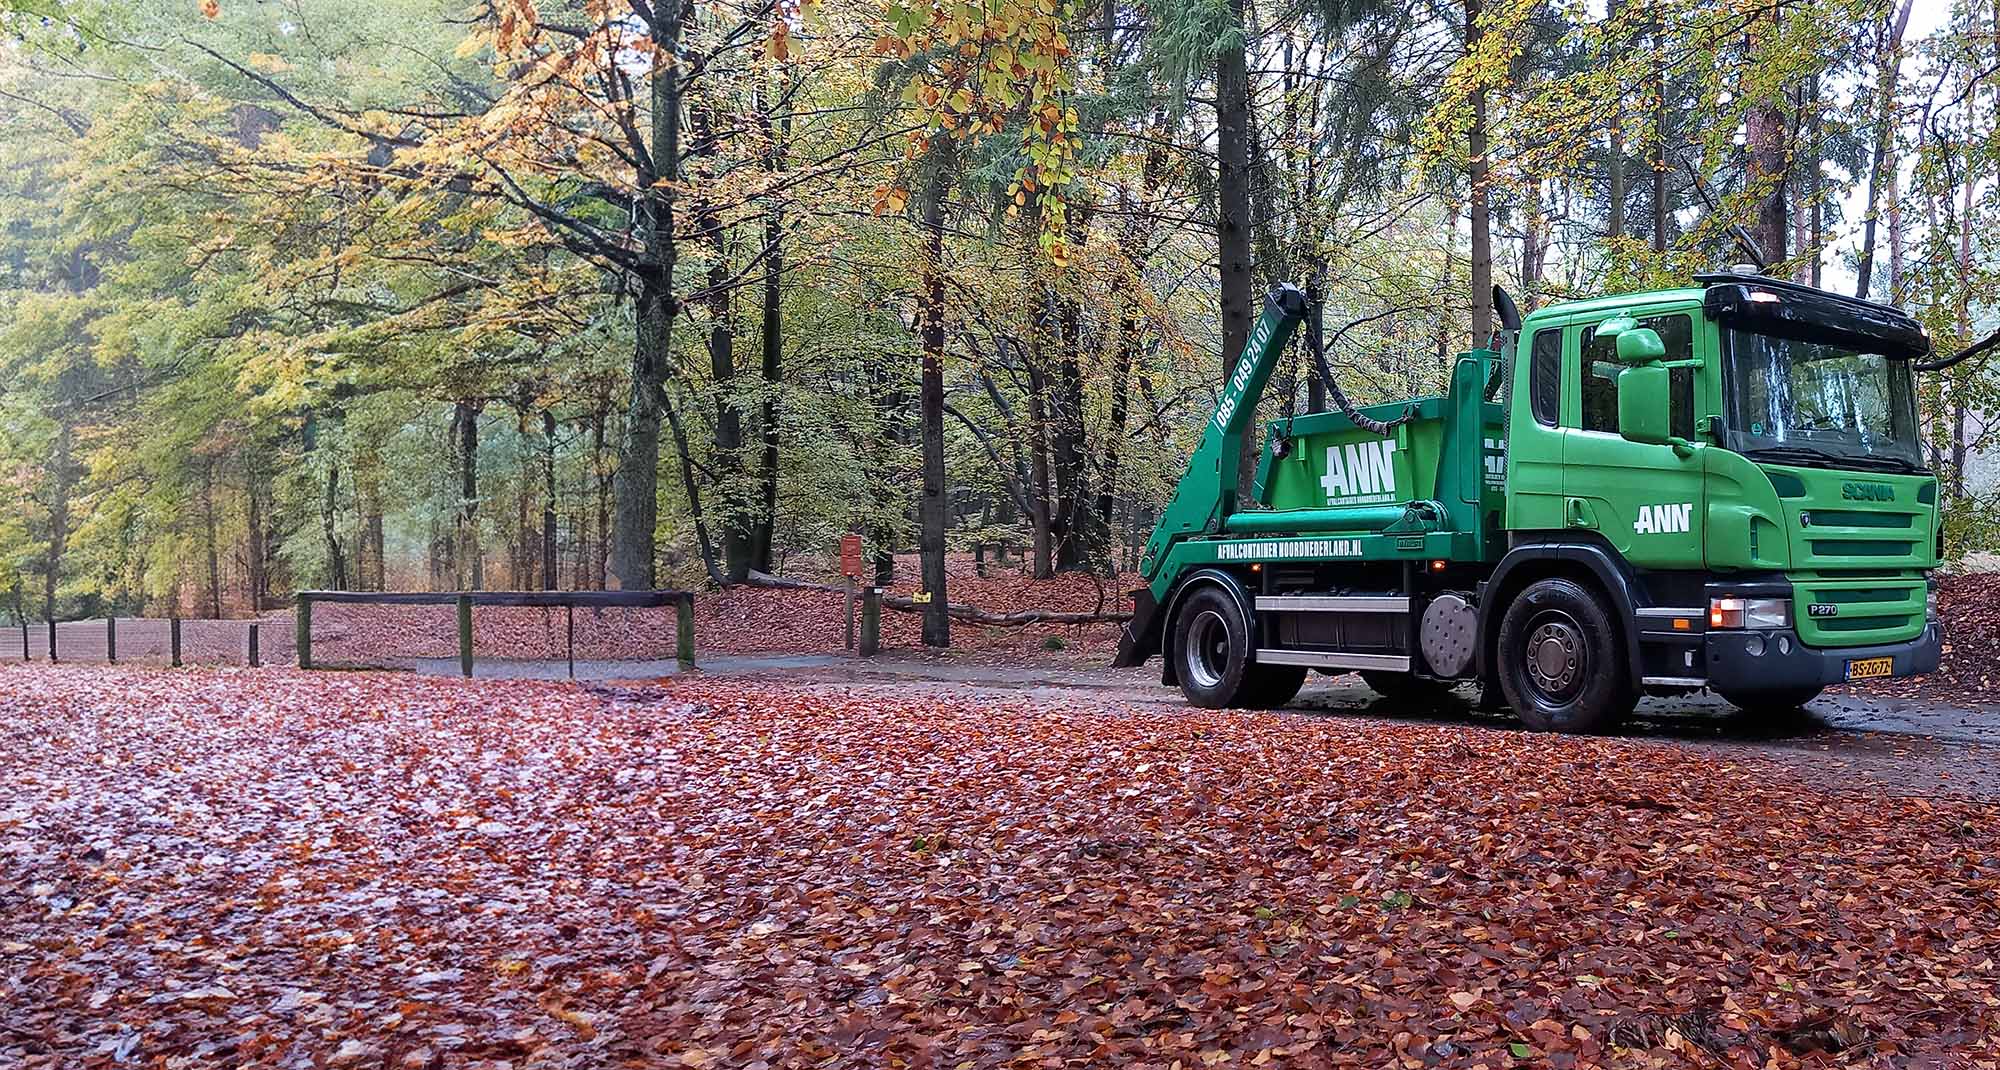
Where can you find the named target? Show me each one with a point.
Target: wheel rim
(1556, 657)
(1205, 649)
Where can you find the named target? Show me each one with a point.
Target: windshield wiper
(1802, 455)
(1818, 458)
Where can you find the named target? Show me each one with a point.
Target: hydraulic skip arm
(1206, 495)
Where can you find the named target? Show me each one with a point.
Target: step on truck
(1715, 486)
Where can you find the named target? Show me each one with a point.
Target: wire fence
(154, 641)
(367, 630)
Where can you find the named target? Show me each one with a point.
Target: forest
(517, 294)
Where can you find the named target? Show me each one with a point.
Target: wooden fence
(466, 602)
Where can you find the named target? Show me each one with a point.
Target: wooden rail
(568, 601)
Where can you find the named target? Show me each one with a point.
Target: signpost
(850, 570)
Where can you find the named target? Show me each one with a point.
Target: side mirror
(1640, 345)
(1645, 405)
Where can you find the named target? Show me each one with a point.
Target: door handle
(1576, 513)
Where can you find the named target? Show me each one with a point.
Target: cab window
(1601, 368)
(1545, 375)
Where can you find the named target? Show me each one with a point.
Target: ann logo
(1360, 472)
(1663, 519)
(1496, 462)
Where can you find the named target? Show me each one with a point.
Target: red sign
(850, 556)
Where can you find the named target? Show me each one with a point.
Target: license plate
(1870, 668)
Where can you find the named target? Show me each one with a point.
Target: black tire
(1560, 664)
(1211, 645)
(1402, 687)
(1211, 642)
(1267, 687)
(1782, 700)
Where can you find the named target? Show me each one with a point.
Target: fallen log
(957, 610)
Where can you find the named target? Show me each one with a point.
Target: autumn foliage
(281, 869)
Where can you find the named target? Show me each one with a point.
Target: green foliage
(255, 265)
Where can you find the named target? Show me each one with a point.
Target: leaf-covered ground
(232, 868)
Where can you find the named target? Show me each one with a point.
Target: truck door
(1645, 500)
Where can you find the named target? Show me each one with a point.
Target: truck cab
(1759, 483)
(1719, 485)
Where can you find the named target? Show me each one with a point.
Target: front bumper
(1735, 666)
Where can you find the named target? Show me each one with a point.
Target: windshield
(1814, 402)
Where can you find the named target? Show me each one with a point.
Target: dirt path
(1841, 741)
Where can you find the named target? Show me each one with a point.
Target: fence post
(25, 655)
(111, 640)
(52, 641)
(465, 634)
(304, 620)
(174, 639)
(871, 621)
(684, 630)
(569, 645)
(254, 660)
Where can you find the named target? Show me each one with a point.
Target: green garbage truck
(1714, 486)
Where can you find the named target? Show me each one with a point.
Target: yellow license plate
(1870, 668)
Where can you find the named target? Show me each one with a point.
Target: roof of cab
(1616, 303)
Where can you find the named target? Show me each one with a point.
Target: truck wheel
(1212, 643)
(1560, 666)
(1779, 701)
(1402, 687)
(1267, 687)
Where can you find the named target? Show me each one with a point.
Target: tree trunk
(548, 500)
(765, 531)
(1076, 544)
(693, 489)
(930, 313)
(471, 566)
(727, 457)
(1895, 186)
(62, 477)
(1121, 407)
(1041, 493)
(1532, 252)
(1888, 64)
(636, 485)
(336, 559)
(377, 579)
(1659, 139)
(1232, 220)
(1764, 131)
(602, 487)
(253, 534)
(1479, 207)
(1959, 407)
(1815, 193)
(1614, 155)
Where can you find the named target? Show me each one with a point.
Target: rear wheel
(1402, 687)
(1780, 700)
(1268, 687)
(1560, 666)
(1211, 644)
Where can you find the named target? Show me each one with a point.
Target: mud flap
(1141, 638)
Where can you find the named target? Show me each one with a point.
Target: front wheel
(1560, 666)
(1211, 643)
(1780, 700)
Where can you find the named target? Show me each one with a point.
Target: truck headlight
(1930, 602)
(1749, 612)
